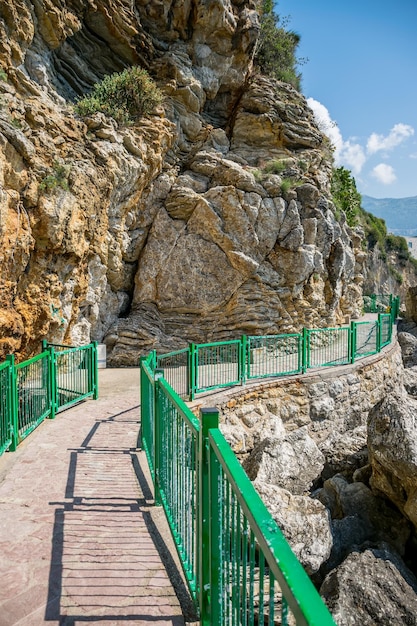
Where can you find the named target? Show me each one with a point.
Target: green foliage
(126, 96)
(346, 198)
(258, 175)
(397, 244)
(376, 231)
(3, 76)
(286, 185)
(345, 195)
(16, 122)
(395, 274)
(57, 178)
(303, 165)
(277, 47)
(275, 167)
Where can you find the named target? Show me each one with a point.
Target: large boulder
(392, 445)
(358, 516)
(292, 462)
(344, 452)
(410, 381)
(372, 588)
(411, 304)
(408, 343)
(304, 522)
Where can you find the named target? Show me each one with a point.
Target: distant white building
(412, 246)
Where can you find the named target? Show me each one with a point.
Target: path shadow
(109, 562)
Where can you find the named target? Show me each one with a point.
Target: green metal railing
(176, 366)
(238, 565)
(74, 373)
(203, 367)
(385, 329)
(33, 391)
(216, 365)
(328, 346)
(275, 355)
(38, 388)
(7, 427)
(377, 303)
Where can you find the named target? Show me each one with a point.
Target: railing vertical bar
(157, 444)
(13, 403)
(215, 540)
(209, 418)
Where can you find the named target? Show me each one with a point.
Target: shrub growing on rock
(125, 96)
(276, 54)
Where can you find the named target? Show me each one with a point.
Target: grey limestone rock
(392, 445)
(408, 343)
(358, 516)
(305, 523)
(372, 588)
(292, 462)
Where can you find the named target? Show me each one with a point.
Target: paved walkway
(79, 539)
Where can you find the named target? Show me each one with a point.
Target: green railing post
(192, 368)
(379, 333)
(304, 351)
(144, 404)
(243, 367)
(52, 381)
(209, 418)
(13, 403)
(95, 370)
(352, 341)
(216, 535)
(157, 444)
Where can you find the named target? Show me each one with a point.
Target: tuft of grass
(286, 185)
(16, 123)
(125, 96)
(57, 178)
(275, 167)
(395, 274)
(3, 76)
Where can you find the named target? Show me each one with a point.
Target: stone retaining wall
(327, 401)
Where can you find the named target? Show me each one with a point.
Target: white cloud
(397, 134)
(325, 122)
(347, 153)
(352, 155)
(384, 174)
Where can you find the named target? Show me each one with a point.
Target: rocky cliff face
(388, 274)
(208, 219)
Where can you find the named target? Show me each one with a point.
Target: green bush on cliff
(57, 178)
(375, 230)
(345, 195)
(277, 46)
(347, 199)
(125, 96)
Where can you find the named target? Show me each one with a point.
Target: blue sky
(361, 80)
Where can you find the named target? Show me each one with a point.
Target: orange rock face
(175, 228)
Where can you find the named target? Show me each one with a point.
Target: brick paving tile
(78, 538)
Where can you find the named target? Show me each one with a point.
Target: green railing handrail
(221, 364)
(164, 417)
(302, 597)
(39, 387)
